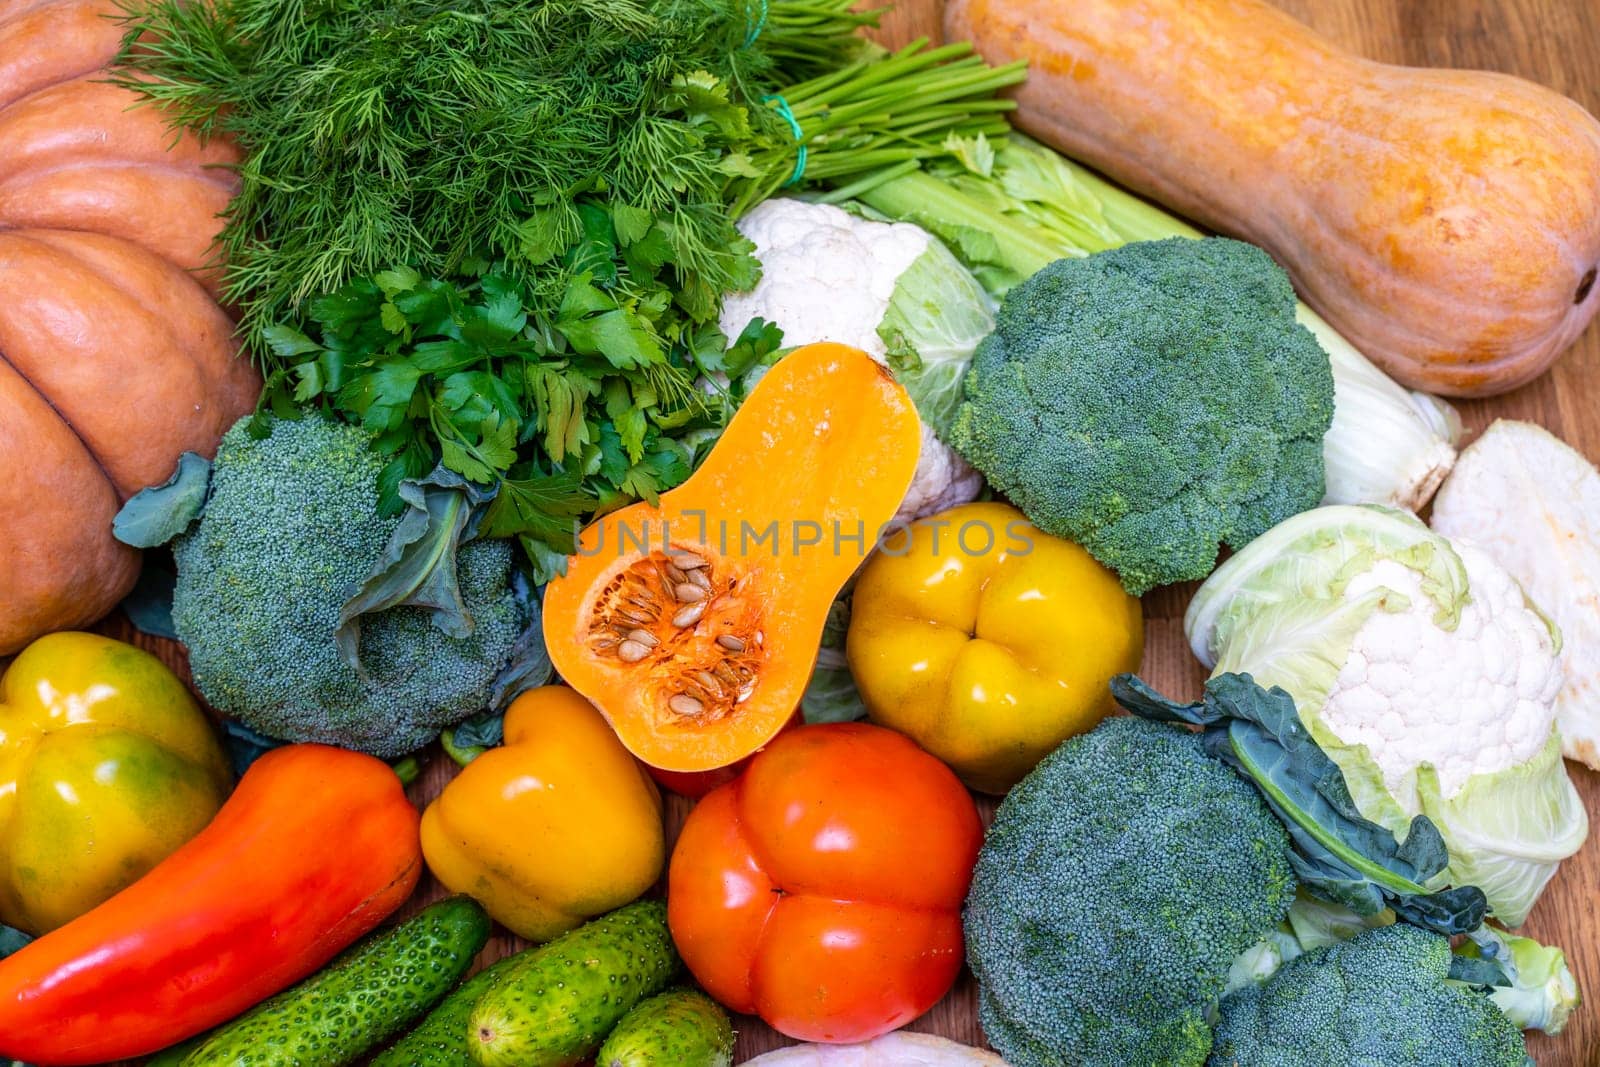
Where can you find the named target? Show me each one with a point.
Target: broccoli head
(1151, 403)
(1118, 883)
(1381, 999)
(289, 530)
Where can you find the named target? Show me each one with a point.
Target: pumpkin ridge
(93, 60)
(67, 435)
(181, 342)
(178, 170)
(51, 404)
(108, 103)
(26, 6)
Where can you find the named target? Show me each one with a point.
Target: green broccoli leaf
(149, 605)
(1337, 855)
(418, 566)
(11, 940)
(471, 739)
(245, 745)
(831, 695)
(156, 515)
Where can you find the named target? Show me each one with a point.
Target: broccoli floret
(289, 530)
(1151, 403)
(1118, 883)
(1378, 1000)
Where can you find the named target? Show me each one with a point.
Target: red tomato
(696, 784)
(822, 889)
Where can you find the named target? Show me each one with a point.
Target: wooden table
(1552, 41)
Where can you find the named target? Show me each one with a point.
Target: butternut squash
(1447, 222)
(693, 624)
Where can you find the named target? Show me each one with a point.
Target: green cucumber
(364, 997)
(440, 1040)
(683, 1027)
(558, 1004)
(174, 1055)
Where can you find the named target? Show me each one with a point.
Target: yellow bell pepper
(987, 641)
(107, 765)
(555, 827)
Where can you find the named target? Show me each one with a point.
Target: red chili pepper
(315, 847)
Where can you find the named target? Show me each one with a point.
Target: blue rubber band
(782, 109)
(759, 24)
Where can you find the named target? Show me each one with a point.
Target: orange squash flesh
(693, 624)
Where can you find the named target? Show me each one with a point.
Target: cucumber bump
(440, 1040)
(363, 997)
(683, 1027)
(558, 1004)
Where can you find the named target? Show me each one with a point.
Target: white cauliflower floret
(942, 481)
(1474, 700)
(827, 275)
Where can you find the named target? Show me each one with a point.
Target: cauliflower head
(888, 288)
(1475, 699)
(1421, 668)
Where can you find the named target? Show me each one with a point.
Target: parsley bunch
(579, 412)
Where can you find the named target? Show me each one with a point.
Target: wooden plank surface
(1556, 42)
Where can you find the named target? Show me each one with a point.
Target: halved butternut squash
(693, 624)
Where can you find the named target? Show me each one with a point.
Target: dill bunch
(432, 133)
(425, 133)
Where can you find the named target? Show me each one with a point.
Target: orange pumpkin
(1447, 222)
(693, 624)
(114, 354)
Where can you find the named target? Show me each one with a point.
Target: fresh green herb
(584, 411)
(497, 233)
(426, 132)
(432, 133)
